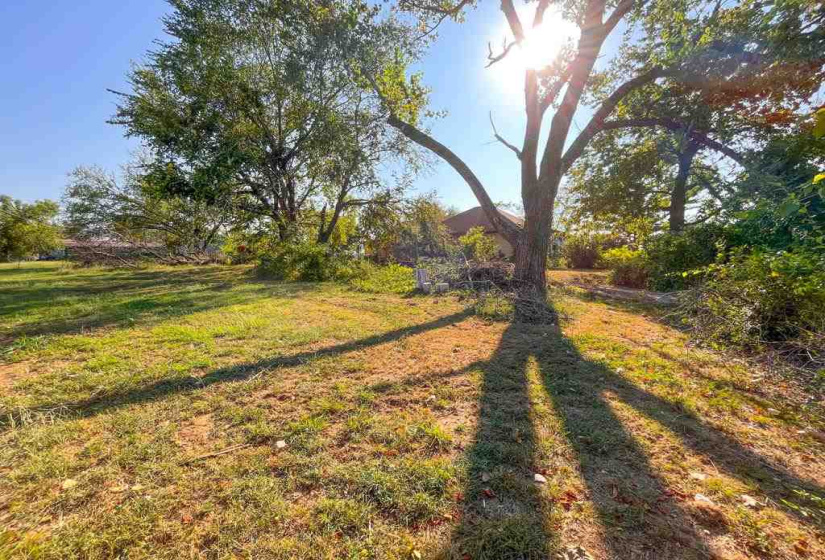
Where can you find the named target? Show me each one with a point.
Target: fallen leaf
(119, 488)
(137, 487)
(69, 483)
(539, 478)
(186, 518)
(568, 500)
(489, 493)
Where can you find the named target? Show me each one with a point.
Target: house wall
(503, 245)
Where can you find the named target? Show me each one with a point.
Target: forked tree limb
(505, 227)
(696, 135)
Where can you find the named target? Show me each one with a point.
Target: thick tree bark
(531, 253)
(678, 196)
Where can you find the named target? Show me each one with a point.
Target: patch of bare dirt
(196, 431)
(12, 373)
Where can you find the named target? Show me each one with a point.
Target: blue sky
(60, 56)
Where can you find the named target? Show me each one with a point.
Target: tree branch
(594, 126)
(671, 124)
(501, 139)
(507, 228)
(492, 59)
(513, 20)
(614, 18)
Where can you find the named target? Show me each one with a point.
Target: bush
(582, 250)
(478, 245)
(761, 298)
(306, 262)
(674, 259)
(627, 267)
(390, 279)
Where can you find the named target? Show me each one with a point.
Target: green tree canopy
(263, 98)
(27, 229)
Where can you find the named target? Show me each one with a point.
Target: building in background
(460, 224)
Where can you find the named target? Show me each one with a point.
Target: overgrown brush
(389, 279)
(760, 301)
(628, 267)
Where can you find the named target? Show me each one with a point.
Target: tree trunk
(533, 242)
(678, 196)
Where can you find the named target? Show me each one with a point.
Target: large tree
(743, 115)
(696, 44)
(258, 97)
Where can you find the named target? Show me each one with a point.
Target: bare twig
(501, 139)
(229, 449)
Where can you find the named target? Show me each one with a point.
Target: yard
(198, 412)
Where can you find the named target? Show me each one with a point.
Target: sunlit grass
(201, 412)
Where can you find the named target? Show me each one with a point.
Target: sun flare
(537, 51)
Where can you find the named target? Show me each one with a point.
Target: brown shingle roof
(475, 217)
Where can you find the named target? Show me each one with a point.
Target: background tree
(258, 98)
(98, 207)
(761, 98)
(27, 229)
(407, 231)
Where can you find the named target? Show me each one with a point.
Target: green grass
(201, 412)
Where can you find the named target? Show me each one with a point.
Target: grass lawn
(201, 413)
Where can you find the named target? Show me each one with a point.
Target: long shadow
(504, 514)
(634, 504)
(638, 513)
(166, 388)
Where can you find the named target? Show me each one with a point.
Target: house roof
(475, 217)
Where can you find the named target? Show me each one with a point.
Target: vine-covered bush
(306, 262)
(628, 267)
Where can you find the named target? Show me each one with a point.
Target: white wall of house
(503, 245)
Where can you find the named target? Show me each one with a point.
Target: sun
(537, 51)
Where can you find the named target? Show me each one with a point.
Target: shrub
(627, 267)
(670, 255)
(762, 298)
(582, 250)
(306, 262)
(390, 279)
(478, 245)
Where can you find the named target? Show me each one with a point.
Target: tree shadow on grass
(106, 401)
(504, 513)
